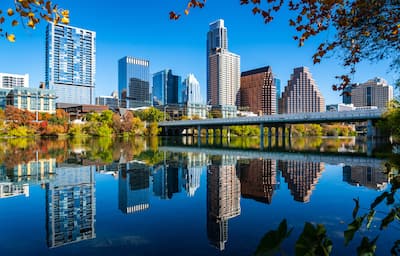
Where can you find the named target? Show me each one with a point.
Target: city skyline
(256, 43)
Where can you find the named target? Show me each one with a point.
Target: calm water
(153, 197)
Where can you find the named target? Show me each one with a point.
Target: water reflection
(133, 187)
(66, 169)
(70, 205)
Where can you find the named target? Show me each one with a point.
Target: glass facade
(134, 82)
(192, 90)
(278, 92)
(167, 88)
(71, 63)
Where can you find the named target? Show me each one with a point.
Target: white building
(9, 81)
(223, 68)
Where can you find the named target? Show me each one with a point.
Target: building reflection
(192, 171)
(301, 177)
(15, 181)
(70, 205)
(223, 198)
(365, 176)
(258, 179)
(133, 187)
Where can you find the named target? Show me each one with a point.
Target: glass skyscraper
(192, 90)
(71, 63)
(134, 82)
(277, 83)
(167, 88)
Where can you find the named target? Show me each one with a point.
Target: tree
(30, 13)
(364, 30)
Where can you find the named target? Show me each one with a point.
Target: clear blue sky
(142, 29)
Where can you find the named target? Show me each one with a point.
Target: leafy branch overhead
(362, 30)
(29, 13)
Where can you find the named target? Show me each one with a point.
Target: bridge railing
(285, 118)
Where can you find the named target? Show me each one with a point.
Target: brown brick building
(258, 91)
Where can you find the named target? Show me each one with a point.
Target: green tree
(30, 12)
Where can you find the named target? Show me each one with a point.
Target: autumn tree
(363, 30)
(30, 13)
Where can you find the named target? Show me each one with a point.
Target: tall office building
(346, 96)
(134, 82)
(70, 205)
(8, 81)
(301, 94)
(223, 198)
(223, 68)
(167, 88)
(258, 91)
(192, 90)
(71, 63)
(375, 92)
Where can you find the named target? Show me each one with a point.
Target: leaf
(367, 248)
(388, 219)
(379, 199)
(11, 38)
(370, 217)
(352, 228)
(65, 20)
(272, 240)
(356, 207)
(10, 12)
(14, 23)
(313, 241)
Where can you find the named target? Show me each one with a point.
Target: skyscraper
(134, 82)
(192, 90)
(71, 63)
(223, 68)
(301, 94)
(257, 91)
(167, 88)
(375, 92)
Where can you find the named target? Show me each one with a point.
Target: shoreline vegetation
(22, 123)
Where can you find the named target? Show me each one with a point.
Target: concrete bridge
(279, 122)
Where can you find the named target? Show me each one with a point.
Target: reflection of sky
(178, 226)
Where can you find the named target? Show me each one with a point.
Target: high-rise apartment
(192, 90)
(258, 92)
(223, 68)
(167, 88)
(301, 94)
(8, 81)
(134, 82)
(375, 92)
(71, 63)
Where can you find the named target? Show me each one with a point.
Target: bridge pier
(269, 136)
(198, 134)
(262, 136)
(283, 135)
